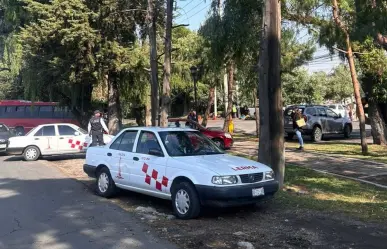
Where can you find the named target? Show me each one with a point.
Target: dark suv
(320, 120)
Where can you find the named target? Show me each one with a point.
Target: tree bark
(114, 108)
(256, 107)
(211, 98)
(271, 141)
(355, 82)
(166, 97)
(151, 22)
(148, 108)
(230, 85)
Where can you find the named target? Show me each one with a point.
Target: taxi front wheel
(185, 201)
(31, 153)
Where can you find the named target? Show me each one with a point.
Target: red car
(222, 139)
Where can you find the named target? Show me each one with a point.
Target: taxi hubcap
(31, 153)
(103, 182)
(182, 201)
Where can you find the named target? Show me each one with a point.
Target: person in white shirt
(96, 127)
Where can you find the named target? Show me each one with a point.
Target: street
(42, 208)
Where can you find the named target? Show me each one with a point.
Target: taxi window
(65, 130)
(127, 141)
(147, 142)
(46, 131)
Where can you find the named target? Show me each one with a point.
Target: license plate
(3, 146)
(258, 192)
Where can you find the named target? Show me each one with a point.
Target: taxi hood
(224, 164)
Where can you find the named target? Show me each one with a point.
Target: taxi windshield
(188, 143)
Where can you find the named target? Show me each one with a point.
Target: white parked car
(51, 139)
(339, 109)
(178, 164)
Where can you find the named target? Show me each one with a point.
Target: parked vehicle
(5, 134)
(223, 140)
(51, 139)
(339, 109)
(181, 165)
(22, 116)
(320, 121)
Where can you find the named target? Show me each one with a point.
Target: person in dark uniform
(96, 127)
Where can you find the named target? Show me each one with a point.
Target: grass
(328, 193)
(305, 188)
(376, 153)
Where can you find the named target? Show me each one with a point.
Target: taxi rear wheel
(185, 201)
(105, 184)
(31, 153)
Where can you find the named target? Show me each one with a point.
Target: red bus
(22, 115)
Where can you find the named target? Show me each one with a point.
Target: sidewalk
(361, 170)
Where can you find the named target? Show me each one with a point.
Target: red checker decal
(145, 168)
(154, 174)
(80, 147)
(78, 143)
(70, 141)
(84, 144)
(148, 179)
(73, 146)
(165, 181)
(158, 186)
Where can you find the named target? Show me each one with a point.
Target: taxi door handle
(61, 138)
(136, 158)
(109, 154)
(37, 139)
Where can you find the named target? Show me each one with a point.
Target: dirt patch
(269, 225)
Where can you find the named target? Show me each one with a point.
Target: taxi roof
(159, 129)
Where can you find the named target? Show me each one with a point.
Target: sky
(194, 13)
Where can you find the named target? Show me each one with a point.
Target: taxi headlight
(269, 175)
(227, 135)
(224, 180)
(2, 140)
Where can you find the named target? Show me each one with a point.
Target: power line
(194, 7)
(198, 12)
(187, 4)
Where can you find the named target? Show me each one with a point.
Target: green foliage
(339, 85)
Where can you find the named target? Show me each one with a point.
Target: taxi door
(46, 139)
(150, 163)
(120, 156)
(69, 140)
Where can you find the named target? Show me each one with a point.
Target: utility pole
(215, 104)
(151, 22)
(166, 96)
(271, 142)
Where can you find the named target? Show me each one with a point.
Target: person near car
(192, 116)
(96, 127)
(297, 116)
(234, 111)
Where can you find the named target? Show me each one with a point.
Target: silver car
(320, 120)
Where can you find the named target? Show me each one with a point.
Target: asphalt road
(41, 208)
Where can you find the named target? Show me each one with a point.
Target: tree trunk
(256, 107)
(148, 108)
(230, 85)
(114, 108)
(271, 141)
(166, 95)
(378, 127)
(356, 85)
(151, 21)
(211, 97)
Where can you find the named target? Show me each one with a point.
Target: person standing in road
(96, 127)
(296, 115)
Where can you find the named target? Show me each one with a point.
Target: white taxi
(51, 139)
(178, 164)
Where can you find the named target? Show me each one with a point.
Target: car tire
(185, 201)
(105, 184)
(219, 143)
(347, 131)
(31, 153)
(317, 134)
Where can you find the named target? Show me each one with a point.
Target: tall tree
(166, 95)
(271, 142)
